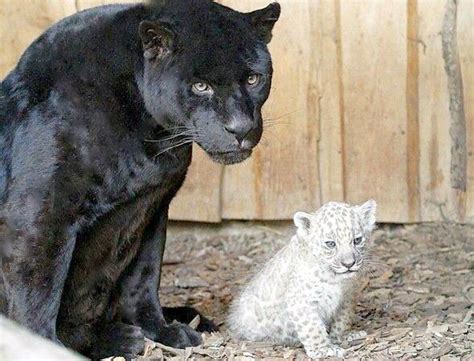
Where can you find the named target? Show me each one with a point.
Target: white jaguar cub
(304, 294)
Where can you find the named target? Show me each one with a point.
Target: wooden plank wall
(362, 106)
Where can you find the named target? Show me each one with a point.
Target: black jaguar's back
(96, 126)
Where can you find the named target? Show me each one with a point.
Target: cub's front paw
(325, 351)
(356, 335)
(179, 335)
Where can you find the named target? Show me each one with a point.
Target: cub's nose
(348, 264)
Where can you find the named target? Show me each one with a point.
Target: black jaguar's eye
(330, 244)
(253, 80)
(357, 240)
(202, 88)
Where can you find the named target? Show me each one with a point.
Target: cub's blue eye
(357, 240)
(330, 244)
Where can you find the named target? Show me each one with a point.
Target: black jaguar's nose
(246, 132)
(238, 131)
(348, 264)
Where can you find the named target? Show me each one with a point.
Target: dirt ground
(417, 304)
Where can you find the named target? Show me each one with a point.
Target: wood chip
(413, 305)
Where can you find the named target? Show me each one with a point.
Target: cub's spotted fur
(304, 294)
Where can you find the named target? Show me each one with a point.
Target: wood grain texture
(412, 107)
(200, 197)
(282, 176)
(361, 106)
(331, 100)
(374, 71)
(465, 37)
(22, 21)
(437, 197)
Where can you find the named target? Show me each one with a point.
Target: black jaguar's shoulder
(76, 50)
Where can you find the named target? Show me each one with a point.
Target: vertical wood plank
(282, 175)
(438, 198)
(465, 34)
(374, 73)
(331, 101)
(433, 114)
(412, 101)
(200, 197)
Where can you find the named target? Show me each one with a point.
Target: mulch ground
(417, 304)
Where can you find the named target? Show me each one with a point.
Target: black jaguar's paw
(179, 335)
(206, 325)
(119, 339)
(186, 315)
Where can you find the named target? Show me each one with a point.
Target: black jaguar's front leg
(34, 273)
(139, 301)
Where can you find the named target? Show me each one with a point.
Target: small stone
(380, 346)
(449, 358)
(187, 278)
(438, 301)
(438, 329)
(418, 289)
(458, 329)
(457, 317)
(410, 349)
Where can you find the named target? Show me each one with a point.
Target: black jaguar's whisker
(172, 129)
(167, 149)
(270, 125)
(189, 132)
(281, 116)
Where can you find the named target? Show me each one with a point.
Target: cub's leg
(138, 300)
(311, 331)
(342, 321)
(34, 275)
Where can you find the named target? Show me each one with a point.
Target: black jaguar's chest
(114, 180)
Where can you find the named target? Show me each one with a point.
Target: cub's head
(338, 234)
(207, 73)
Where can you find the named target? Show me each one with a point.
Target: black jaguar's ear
(264, 19)
(157, 39)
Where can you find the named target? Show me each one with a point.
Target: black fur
(96, 122)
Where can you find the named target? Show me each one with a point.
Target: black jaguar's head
(208, 72)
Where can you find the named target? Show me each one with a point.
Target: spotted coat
(304, 294)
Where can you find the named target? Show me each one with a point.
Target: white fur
(302, 295)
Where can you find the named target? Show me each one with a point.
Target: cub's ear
(303, 223)
(157, 39)
(263, 20)
(367, 214)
